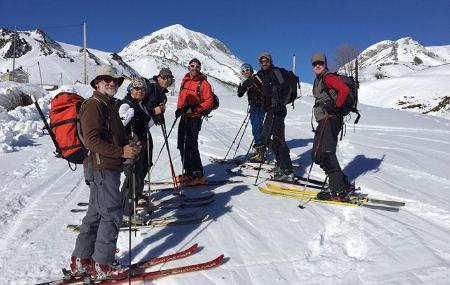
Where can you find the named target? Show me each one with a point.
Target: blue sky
(282, 27)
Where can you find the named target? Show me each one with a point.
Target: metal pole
(85, 54)
(14, 50)
(293, 63)
(40, 74)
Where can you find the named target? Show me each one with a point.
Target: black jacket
(155, 96)
(274, 93)
(253, 87)
(140, 120)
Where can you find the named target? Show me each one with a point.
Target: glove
(330, 107)
(180, 111)
(158, 120)
(241, 90)
(277, 107)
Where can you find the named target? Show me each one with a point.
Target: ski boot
(330, 195)
(258, 156)
(112, 271)
(180, 179)
(283, 174)
(197, 179)
(79, 268)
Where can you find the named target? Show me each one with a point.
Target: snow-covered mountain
(389, 59)
(175, 46)
(59, 63)
(404, 74)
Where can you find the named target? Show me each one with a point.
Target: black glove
(277, 107)
(158, 120)
(180, 112)
(241, 90)
(330, 107)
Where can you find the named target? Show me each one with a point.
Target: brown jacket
(103, 132)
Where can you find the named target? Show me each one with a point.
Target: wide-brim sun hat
(106, 70)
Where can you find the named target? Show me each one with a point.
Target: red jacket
(188, 94)
(333, 82)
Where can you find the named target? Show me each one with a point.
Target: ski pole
(239, 142)
(148, 163)
(265, 149)
(160, 151)
(164, 130)
(234, 140)
(314, 156)
(249, 148)
(47, 126)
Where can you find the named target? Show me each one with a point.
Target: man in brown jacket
(104, 136)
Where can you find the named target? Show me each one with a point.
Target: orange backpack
(64, 125)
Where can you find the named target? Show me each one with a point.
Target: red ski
(135, 266)
(166, 272)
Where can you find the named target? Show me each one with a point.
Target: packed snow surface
(391, 154)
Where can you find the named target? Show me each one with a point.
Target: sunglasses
(320, 63)
(139, 89)
(108, 79)
(166, 77)
(193, 66)
(264, 60)
(244, 70)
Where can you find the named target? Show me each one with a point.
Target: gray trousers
(100, 227)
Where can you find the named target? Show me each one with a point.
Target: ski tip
(219, 258)
(193, 247)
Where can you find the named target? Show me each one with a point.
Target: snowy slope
(59, 63)
(424, 91)
(267, 240)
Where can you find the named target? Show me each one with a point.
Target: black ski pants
(139, 170)
(324, 152)
(188, 130)
(274, 137)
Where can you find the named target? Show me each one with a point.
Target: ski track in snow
(268, 239)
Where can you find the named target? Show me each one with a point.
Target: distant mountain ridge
(59, 63)
(389, 59)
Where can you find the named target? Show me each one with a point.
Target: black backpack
(292, 81)
(351, 102)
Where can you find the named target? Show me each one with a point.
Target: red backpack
(64, 124)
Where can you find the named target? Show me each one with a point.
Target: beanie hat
(246, 66)
(266, 55)
(319, 57)
(138, 82)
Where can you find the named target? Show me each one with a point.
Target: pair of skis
(164, 221)
(138, 269)
(357, 199)
(176, 202)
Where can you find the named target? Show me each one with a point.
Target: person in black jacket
(275, 97)
(253, 86)
(143, 107)
(156, 99)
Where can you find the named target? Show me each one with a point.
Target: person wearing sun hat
(104, 136)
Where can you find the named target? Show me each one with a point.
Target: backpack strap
(97, 156)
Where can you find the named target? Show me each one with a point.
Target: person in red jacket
(330, 94)
(195, 98)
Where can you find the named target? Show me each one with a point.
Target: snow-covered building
(16, 75)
